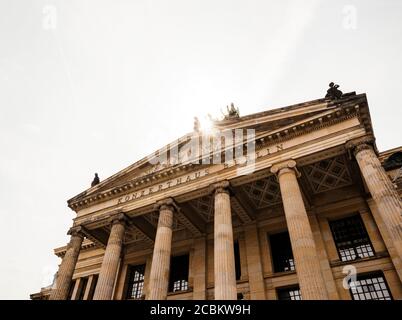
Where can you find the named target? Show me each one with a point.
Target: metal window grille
(290, 293)
(370, 287)
(136, 282)
(351, 238)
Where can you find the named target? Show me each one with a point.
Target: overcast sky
(93, 86)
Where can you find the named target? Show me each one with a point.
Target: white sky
(105, 83)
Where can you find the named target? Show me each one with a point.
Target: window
(83, 286)
(282, 254)
(237, 260)
(370, 287)
(135, 281)
(351, 238)
(93, 286)
(178, 280)
(289, 293)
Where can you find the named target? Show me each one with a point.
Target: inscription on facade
(163, 186)
(196, 175)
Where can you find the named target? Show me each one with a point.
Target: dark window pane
(289, 293)
(178, 280)
(351, 238)
(93, 287)
(237, 260)
(370, 287)
(83, 286)
(135, 282)
(281, 250)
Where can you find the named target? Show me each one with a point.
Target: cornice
(134, 184)
(336, 113)
(87, 244)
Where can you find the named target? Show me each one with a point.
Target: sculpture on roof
(333, 92)
(95, 181)
(232, 112)
(197, 125)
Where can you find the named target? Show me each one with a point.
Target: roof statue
(197, 125)
(232, 112)
(333, 92)
(95, 181)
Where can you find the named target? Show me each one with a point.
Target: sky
(93, 86)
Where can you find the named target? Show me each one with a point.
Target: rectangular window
(83, 286)
(93, 287)
(237, 260)
(135, 281)
(370, 287)
(289, 293)
(178, 280)
(351, 238)
(281, 251)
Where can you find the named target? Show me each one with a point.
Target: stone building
(309, 204)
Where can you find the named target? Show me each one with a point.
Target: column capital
(118, 218)
(76, 231)
(166, 204)
(220, 187)
(285, 166)
(360, 144)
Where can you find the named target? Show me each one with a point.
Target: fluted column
(199, 262)
(67, 266)
(311, 281)
(254, 264)
(224, 261)
(111, 259)
(159, 277)
(381, 188)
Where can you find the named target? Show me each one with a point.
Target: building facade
(309, 210)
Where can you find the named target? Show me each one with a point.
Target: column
(111, 259)
(224, 261)
(147, 272)
(199, 268)
(67, 266)
(311, 281)
(160, 268)
(381, 188)
(254, 264)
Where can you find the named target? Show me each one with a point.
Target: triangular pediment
(273, 124)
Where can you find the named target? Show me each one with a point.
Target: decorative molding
(285, 166)
(166, 204)
(119, 218)
(327, 174)
(220, 187)
(76, 231)
(360, 144)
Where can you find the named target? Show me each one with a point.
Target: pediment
(273, 125)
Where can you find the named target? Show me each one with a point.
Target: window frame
(281, 261)
(355, 243)
(179, 285)
(371, 276)
(288, 289)
(139, 283)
